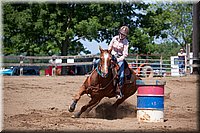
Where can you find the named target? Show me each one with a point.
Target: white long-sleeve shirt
(119, 48)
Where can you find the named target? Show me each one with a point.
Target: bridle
(112, 66)
(105, 76)
(100, 65)
(101, 73)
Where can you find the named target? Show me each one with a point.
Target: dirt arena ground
(39, 103)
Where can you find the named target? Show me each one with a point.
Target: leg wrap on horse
(72, 106)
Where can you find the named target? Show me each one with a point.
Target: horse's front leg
(92, 103)
(76, 98)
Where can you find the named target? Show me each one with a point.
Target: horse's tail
(135, 75)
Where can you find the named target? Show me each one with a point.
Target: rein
(108, 83)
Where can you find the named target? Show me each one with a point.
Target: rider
(119, 45)
(181, 63)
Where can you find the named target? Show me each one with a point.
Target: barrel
(150, 100)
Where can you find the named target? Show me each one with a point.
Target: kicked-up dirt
(40, 103)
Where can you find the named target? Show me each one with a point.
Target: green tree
(41, 28)
(168, 49)
(173, 24)
(150, 25)
(180, 18)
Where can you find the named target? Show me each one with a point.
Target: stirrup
(119, 96)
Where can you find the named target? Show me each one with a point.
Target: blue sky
(93, 46)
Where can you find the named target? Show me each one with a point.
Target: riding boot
(119, 88)
(115, 84)
(119, 92)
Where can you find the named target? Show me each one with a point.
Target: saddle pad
(129, 78)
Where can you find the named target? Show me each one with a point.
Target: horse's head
(105, 61)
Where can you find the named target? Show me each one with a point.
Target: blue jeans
(181, 65)
(120, 71)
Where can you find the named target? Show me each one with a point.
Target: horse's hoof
(71, 109)
(75, 116)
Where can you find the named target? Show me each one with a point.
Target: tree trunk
(64, 52)
(196, 36)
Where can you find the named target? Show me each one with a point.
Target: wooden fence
(44, 61)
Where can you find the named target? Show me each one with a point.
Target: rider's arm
(125, 53)
(111, 44)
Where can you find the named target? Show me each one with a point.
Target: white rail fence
(143, 67)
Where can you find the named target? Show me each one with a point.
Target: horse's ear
(100, 49)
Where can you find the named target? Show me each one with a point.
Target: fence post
(137, 61)
(53, 65)
(161, 62)
(21, 58)
(93, 62)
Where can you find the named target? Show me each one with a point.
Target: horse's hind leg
(76, 98)
(92, 103)
(91, 107)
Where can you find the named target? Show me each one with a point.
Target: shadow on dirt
(106, 111)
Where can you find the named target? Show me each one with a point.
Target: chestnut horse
(102, 83)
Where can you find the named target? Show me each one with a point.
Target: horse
(102, 83)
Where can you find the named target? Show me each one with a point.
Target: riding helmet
(124, 30)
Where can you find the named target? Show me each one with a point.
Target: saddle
(128, 76)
